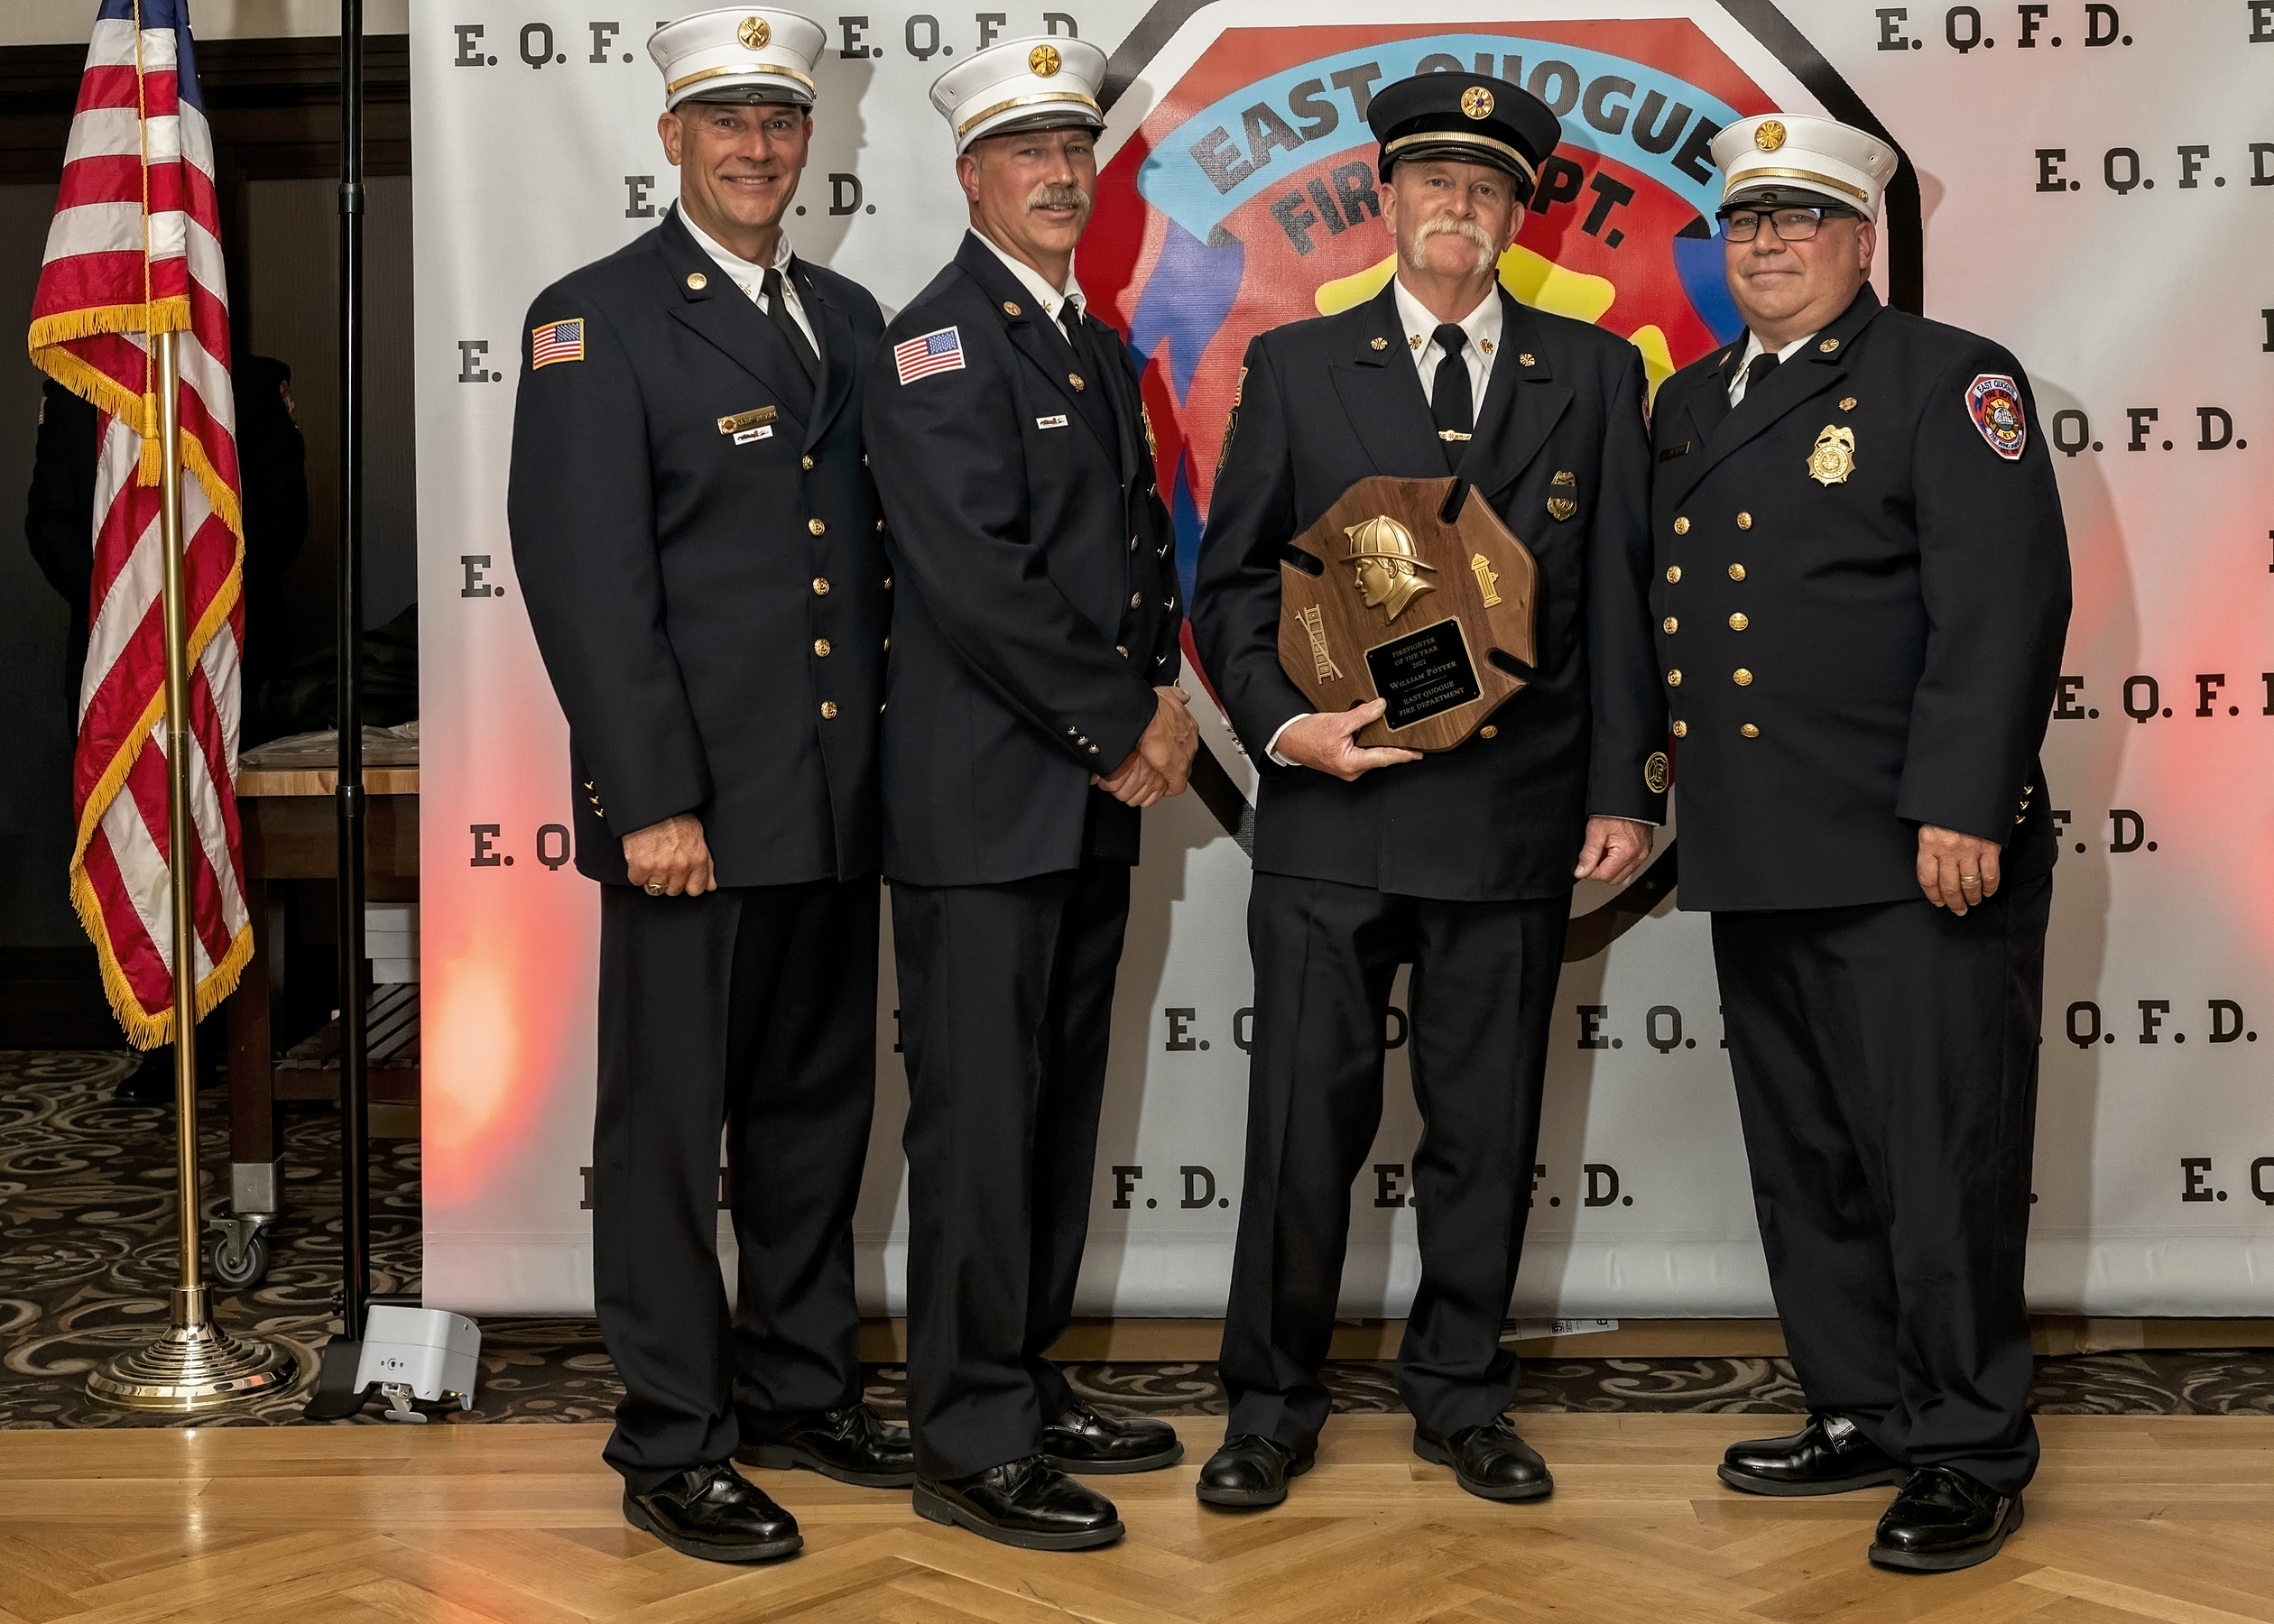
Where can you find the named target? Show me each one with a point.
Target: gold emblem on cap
(754, 33)
(697, 280)
(1656, 772)
(1477, 102)
(1834, 458)
(1769, 135)
(1043, 60)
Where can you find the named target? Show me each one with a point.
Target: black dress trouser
(752, 1009)
(1483, 988)
(1006, 997)
(1886, 1062)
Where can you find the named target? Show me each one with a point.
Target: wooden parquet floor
(2166, 1518)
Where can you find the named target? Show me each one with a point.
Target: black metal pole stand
(337, 1393)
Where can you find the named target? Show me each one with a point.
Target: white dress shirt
(1051, 300)
(751, 277)
(1753, 346)
(1483, 326)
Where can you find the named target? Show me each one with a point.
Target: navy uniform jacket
(1329, 402)
(1901, 628)
(1036, 601)
(710, 602)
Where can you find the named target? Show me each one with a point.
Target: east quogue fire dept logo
(1248, 198)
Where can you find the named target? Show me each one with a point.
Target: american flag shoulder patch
(932, 353)
(556, 341)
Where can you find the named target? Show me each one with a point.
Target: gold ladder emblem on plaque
(1487, 581)
(1322, 661)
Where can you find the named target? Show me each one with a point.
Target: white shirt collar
(748, 274)
(1483, 325)
(1051, 299)
(1753, 346)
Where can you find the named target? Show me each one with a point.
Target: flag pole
(194, 1365)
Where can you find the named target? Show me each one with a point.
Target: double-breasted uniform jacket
(1037, 606)
(1850, 656)
(1325, 402)
(698, 540)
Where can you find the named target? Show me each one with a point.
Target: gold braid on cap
(1753, 176)
(781, 68)
(1462, 138)
(1026, 101)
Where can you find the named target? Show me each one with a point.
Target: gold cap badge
(754, 33)
(1656, 772)
(1477, 102)
(1042, 61)
(1769, 135)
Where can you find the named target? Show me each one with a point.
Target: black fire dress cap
(1465, 119)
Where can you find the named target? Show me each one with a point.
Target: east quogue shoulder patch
(1995, 402)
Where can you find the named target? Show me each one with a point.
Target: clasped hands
(1161, 764)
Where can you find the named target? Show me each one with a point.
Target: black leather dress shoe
(709, 1512)
(852, 1445)
(1026, 1503)
(1944, 1520)
(1491, 1462)
(1830, 1455)
(1250, 1471)
(1083, 1441)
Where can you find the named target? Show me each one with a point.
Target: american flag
(933, 353)
(556, 341)
(135, 249)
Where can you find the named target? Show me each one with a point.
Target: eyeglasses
(1792, 224)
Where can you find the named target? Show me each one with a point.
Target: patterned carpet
(87, 1216)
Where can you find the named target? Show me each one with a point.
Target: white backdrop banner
(2091, 184)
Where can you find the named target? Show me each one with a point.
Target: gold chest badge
(1834, 458)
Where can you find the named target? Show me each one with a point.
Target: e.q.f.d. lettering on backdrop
(2089, 183)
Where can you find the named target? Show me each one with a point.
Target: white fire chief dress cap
(737, 54)
(1037, 83)
(1795, 159)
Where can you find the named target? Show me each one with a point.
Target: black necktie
(1760, 367)
(1451, 402)
(777, 312)
(1087, 364)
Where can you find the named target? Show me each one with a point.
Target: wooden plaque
(1409, 607)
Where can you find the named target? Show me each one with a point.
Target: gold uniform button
(888, 582)
(828, 709)
(1744, 521)
(807, 462)
(1673, 574)
(1673, 680)
(1136, 598)
(816, 526)
(888, 645)
(821, 647)
(1750, 731)
(1681, 526)
(820, 585)
(1671, 625)
(880, 527)
(1738, 623)
(1742, 677)
(1681, 730)
(1488, 732)
(1736, 572)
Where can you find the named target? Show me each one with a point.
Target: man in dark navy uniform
(1863, 589)
(1460, 863)
(696, 537)
(1033, 714)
